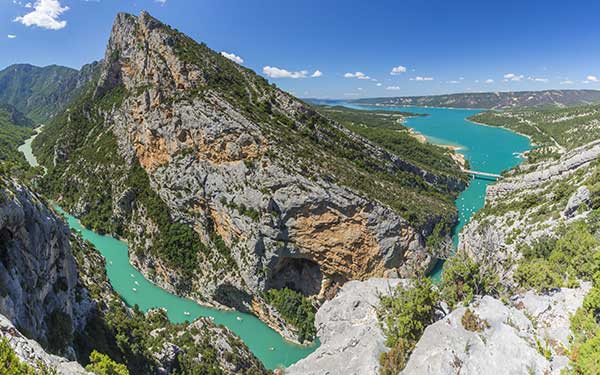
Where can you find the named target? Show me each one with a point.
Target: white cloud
(46, 15)
(393, 88)
(379, 84)
(233, 57)
(275, 72)
(11, 36)
(419, 78)
(592, 78)
(567, 82)
(161, 2)
(398, 70)
(28, 5)
(359, 75)
(453, 82)
(489, 80)
(513, 77)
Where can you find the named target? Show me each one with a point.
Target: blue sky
(436, 46)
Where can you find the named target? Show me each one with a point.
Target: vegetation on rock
(296, 309)
(404, 315)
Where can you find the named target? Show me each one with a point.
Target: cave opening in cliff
(301, 275)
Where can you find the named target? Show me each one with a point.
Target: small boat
(271, 348)
(135, 290)
(131, 275)
(136, 283)
(211, 318)
(186, 313)
(110, 262)
(239, 318)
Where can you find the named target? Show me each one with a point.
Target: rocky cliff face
(529, 205)
(40, 290)
(30, 352)
(277, 194)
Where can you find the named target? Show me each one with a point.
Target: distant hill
(40, 93)
(494, 100)
(11, 115)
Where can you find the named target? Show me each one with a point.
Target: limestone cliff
(174, 136)
(532, 202)
(41, 293)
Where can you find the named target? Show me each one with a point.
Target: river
(266, 344)
(488, 149)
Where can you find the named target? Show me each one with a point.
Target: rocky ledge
(349, 332)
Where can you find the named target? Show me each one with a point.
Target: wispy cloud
(45, 14)
(397, 70)
(233, 57)
(161, 2)
(358, 75)
(419, 78)
(317, 74)
(489, 80)
(393, 88)
(591, 78)
(567, 82)
(379, 84)
(11, 36)
(513, 77)
(538, 79)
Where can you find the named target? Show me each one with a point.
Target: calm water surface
(488, 149)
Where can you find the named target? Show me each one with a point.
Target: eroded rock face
(38, 275)
(350, 335)
(525, 207)
(221, 169)
(33, 354)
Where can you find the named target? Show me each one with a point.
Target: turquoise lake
(487, 149)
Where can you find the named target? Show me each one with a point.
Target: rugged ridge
(40, 93)
(273, 190)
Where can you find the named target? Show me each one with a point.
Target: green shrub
(101, 364)
(463, 278)
(296, 309)
(404, 316)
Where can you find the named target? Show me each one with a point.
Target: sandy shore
(458, 157)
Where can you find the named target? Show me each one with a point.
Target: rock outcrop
(275, 191)
(527, 206)
(350, 335)
(30, 352)
(40, 292)
(531, 336)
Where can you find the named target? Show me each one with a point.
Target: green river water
(487, 149)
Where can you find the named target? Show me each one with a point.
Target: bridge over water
(482, 174)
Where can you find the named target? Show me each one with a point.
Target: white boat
(135, 290)
(136, 283)
(131, 275)
(186, 313)
(211, 318)
(271, 348)
(239, 318)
